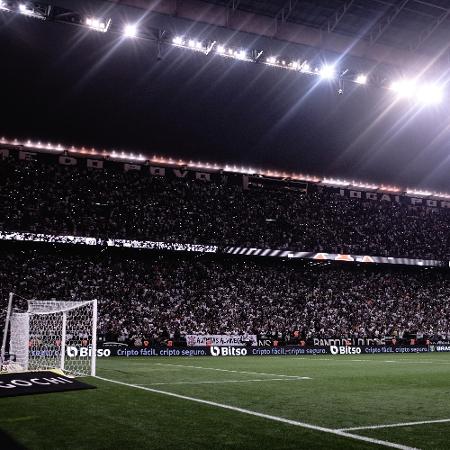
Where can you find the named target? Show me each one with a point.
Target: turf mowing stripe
(217, 382)
(267, 416)
(392, 425)
(235, 371)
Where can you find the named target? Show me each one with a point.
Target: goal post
(54, 334)
(5, 330)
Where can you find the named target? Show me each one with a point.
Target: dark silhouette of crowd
(161, 297)
(55, 199)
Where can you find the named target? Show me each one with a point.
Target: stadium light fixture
(4, 6)
(178, 40)
(221, 49)
(240, 54)
(130, 30)
(361, 79)
(305, 67)
(404, 88)
(271, 60)
(29, 9)
(418, 192)
(97, 24)
(335, 182)
(430, 94)
(327, 72)
(192, 44)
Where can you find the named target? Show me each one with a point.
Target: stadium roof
(412, 33)
(74, 85)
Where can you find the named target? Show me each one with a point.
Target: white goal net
(54, 335)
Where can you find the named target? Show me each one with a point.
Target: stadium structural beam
(425, 34)
(431, 5)
(385, 22)
(231, 9)
(283, 14)
(175, 15)
(338, 15)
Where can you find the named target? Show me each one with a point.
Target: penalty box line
(296, 377)
(258, 380)
(393, 425)
(266, 416)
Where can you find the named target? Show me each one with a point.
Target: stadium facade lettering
(401, 199)
(211, 174)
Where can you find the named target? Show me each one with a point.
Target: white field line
(399, 361)
(235, 371)
(218, 382)
(393, 425)
(267, 416)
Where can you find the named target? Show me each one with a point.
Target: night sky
(71, 85)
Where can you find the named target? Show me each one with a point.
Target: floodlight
(429, 94)
(327, 72)
(404, 88)
(271, 60)
(98, 24)
(305, 67)
(3, 6)
(221, 49)
(178, 40)
(361, 79)
(191, 43)
(130, 30)
(240, 54)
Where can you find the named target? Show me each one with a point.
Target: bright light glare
(361, 79)
(96, 24)
(130, 30)
(241, 54)
(23, 8)
(327, 72)
(404, 88)
(305, 67)
(178, 40)
(271, 60)
(430, 94)
(221, 49)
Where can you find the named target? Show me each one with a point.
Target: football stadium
(224, 224)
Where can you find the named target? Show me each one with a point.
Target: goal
(52, 335)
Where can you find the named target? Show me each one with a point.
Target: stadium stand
(164, 296)
(43, 197)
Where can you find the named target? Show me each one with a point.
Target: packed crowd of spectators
(161, 297)
(49, 198)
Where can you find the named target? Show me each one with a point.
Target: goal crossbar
(53, 334)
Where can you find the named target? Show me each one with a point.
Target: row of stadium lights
(412, 89)
(427, 93)
(131, 157)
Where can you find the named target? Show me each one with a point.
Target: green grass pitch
(340, 392)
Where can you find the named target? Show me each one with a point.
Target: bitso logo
(73, 352)
(344, 350)
(227, 351)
